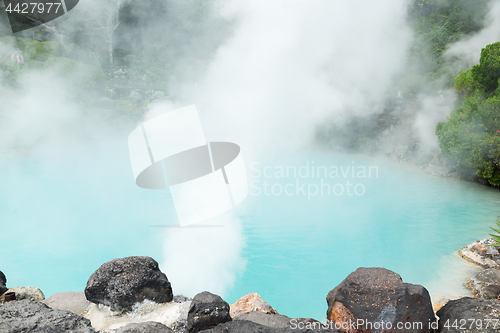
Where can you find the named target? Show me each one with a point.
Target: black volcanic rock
(277, 321)
(34, 317)
(269, 320)
(120, 283)
(207, 310)
(245, 326)
(378, 295)
(3, 282)
(491, 291)
(146, 327)
(475, 313)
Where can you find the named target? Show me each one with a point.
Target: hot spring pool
(62, 217)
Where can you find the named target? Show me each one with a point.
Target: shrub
(471, 136)
(495, 237)
(487, 72)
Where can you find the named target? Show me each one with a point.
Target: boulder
(159, 95)
(70, 301)
(207, 310)
(250, 303)
(469, 315)
(3, 283)
(181, 299)
(135, 97)
(245, 326)
(276, 320)
(489, 277)
(31, 293)
(482, 253)
(146, 327)
(29, 316)
(121, 283)
(490, 292)
(371, 297)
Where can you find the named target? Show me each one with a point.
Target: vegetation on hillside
(471, 136)
(437, 24)
(150, 43)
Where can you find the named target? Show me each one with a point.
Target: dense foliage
(436, 25)
(471, 136)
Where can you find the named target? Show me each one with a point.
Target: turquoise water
(63, 216)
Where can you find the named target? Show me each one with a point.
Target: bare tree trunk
(110, 50)
(106, 23)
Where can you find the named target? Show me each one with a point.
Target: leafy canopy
(471, 136)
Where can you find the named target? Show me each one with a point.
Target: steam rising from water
(287, 67)
(198, 259)
(290, 64)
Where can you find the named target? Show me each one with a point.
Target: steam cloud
(291, 64)
(199, 259)
(288, 66)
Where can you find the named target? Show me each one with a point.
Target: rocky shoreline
(131, 294)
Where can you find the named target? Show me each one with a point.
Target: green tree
(471, 136)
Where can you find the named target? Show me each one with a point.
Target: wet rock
(378, 295)
(481, 254)
(181, 299)
(490, 292)
(70, 301)
(31, 293)
(207, 310)
(135, 97)
(250, 303)
(485, 278)
(121, 283)
(3, 283)
(173, 315)
(146, 327)
(469, 311)
(35, 317)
